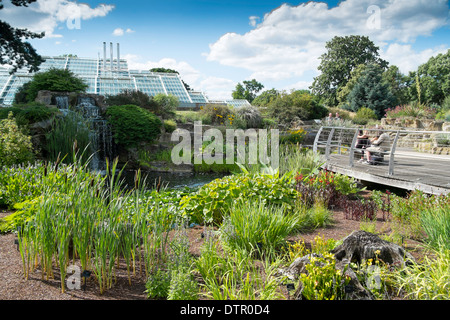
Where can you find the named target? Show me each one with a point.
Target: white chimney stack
(104, 56)
(112, 57)
(118, 57)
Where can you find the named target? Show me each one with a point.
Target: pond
(173, 180)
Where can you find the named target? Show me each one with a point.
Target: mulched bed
(15, 287)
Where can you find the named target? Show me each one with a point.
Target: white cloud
(118, 32)
(47, 15)
(289, 40)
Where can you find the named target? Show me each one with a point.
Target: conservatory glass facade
(106, 78)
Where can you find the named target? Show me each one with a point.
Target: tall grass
(255, 226)
(429, 280)
(92, 220)
(436, 224)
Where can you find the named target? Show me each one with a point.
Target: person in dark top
(362, 142)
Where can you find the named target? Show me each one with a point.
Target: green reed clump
(257, 226)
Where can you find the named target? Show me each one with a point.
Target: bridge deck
(413, 170)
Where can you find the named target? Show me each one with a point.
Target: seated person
(379, 145)
(363, 140)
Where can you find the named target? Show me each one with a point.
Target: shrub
(60, 80)
(158, 284)
(217, 114)
(170, 126)
(137, 98)
(182, 286)
(323, 281)
(297, 105)
(28, 113)
(294, 137)
(132, 125)
(251, 116)
(364, 115)
(414, 110)
(15, 146)
(167, 105)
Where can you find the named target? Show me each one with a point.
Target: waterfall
(101, 139)
(101, 135)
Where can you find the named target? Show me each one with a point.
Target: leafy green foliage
(170, 126)
(15, 146)
(343, 55)
(60, 80)
(14, 51)
(298, 105)
(28, 113)
(265, 98)
(132, 125)
(371, 92)
(434, 78)
(216, 114)
(214, 200)
(322, 281)
(364, 115)
(137, 98)
(167, 105)
(248, 91)
(158, 284)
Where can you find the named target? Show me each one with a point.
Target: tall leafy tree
(343, 55)
(434, 80)
(398, 84)
(265, 98)
(248, 91)
(371, 92)
(14, 51)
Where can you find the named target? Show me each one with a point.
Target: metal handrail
(328, 142)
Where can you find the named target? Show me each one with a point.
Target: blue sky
(216, 44)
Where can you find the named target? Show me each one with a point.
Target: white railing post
(316, 141)
(352, 148)
(392, 155)
(328, 148)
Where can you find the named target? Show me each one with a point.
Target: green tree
(15, 146)
(398, 84)
(343, 55)
(371, 92)
(167, 105)
(297, 105)
(434, 78)
(265, 98)
(344, 91)
(248, 91)
(13, 50)
(61, 80)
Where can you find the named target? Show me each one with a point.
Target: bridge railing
(412, 145)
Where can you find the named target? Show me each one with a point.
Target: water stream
(100, 132)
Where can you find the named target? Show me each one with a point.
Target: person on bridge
(380, 144)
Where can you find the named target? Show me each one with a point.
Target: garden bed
(15, 287)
